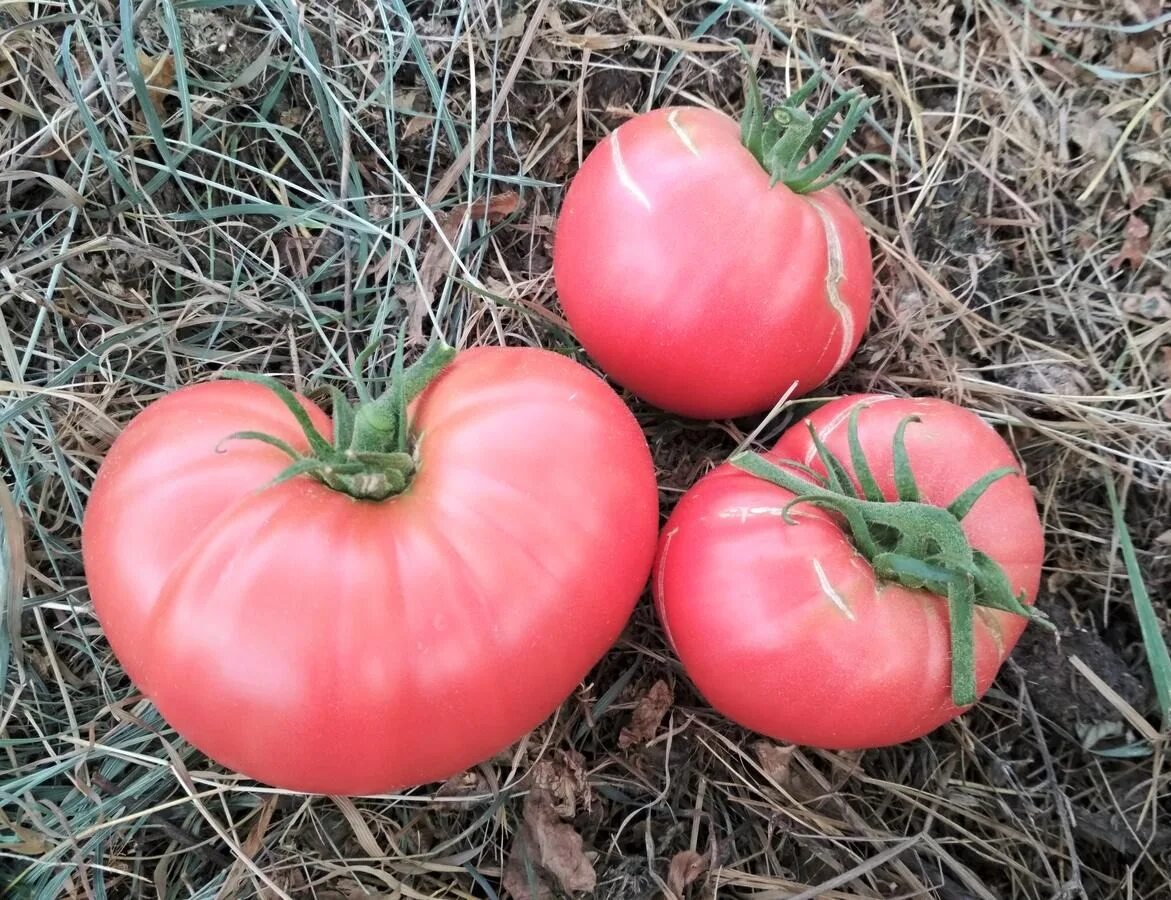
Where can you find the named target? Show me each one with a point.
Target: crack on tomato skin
(681, 132)
(831, 593)
(835, 274)
(837, 422)
(744, 513)
(661, 592)
(624, 177)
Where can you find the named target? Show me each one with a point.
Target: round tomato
(325, 642)
(707, 277)
(866, 606)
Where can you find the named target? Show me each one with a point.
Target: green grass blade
(1154, 643)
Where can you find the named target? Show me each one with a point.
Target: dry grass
(285, 199)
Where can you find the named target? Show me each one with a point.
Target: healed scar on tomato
(662, 590)
(834, 275)
(681, 132)
(837, 422)
(831, 592)
(624, 177)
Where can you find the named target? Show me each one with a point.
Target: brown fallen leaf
(159, 74)
(776, 761)
(1141, 61)
(686, 867)
(1094, 133)
(546, 845)
(494, 208)
(1136, 243)
(463, 784)
(647, 715)
(559, 846)
(523, 879)
(1141, 196)
(1163, 368)
(564, 778)
(1151, 305)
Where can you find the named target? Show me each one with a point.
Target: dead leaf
(1164, 538)
(1156, 119)
(1141, 196)
(686, 867)
(647, 715)
(1165, 363)
(775, 761)
(1151, 305)
(416, 124)
(523, 878)
(1136, 243)
(27, 841)
(1143, 10)
(546, 845)
(159, 74)
(463, 784)
(1141, 61)
(514, 28)
(1035, 374)
(1094, 133)
(565, 779)
(559, 846)
(494, 208)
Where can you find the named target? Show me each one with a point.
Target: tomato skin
(325, 644)
(693, 283)
(783, 628)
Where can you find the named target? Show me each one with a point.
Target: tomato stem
(906, 541)
(782, 137)
(371, 457)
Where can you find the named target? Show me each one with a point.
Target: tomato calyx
(371, 457)
(907, 541)
(781, 138)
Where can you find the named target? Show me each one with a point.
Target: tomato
(698, 279)
(322, 642)
(793, 625)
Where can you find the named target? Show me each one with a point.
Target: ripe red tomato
(324, 643)
(696, 282)
(788, 625)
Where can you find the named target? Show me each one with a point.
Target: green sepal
(781, 138)
(905, 485)
(343, 419)
(962, 505)
(870, 488)
(269, 439)
(317, 443)
(307, 465)
(372, 457)
(906, 541)
(961, 617)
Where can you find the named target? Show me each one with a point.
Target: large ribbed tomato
(791, 625)
(698, 279)
(325, 643)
